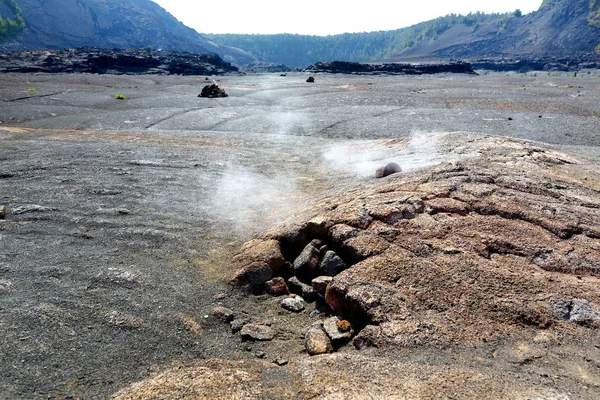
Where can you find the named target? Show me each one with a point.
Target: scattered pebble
(257, 332)
(238, 324)
(223, 313)
(280, 361)
(306, 291)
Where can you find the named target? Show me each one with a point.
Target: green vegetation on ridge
(11, 26)
(302, 50)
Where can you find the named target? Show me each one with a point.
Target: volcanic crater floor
(471, 274)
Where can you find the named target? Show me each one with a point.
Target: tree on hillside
(11, 26)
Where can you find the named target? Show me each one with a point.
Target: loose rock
(295, 304)
(257, 332)
(310, 80)
(330, 325)
(2, 212)
(277, 287)
(389, 169)
(316, 341)
(320, 284)
(301, 288)
(223, 313)
(238, 324)
(332, 264)
(576, 310)
(307, 262)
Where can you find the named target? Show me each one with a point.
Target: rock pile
(212, 91)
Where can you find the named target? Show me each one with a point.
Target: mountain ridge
(560, 28)
(60, 24)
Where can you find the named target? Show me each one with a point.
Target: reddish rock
(277, 287)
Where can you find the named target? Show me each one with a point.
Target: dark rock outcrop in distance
(266, 67)
(115, 61)
(575, 63)
(344, 67)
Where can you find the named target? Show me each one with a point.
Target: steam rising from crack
(362, 158)
(252, 201)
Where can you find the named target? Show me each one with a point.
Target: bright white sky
(325, 17)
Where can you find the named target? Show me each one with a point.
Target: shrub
(120, 96)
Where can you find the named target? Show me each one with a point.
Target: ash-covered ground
(123, 215)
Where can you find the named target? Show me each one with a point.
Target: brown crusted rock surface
(213, 379)
(257, 261)
(495, 245)
(378, 376)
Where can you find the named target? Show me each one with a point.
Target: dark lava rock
(389, 169)
(238, 324)
(301, 288)
(576, 310)
(310, 80)
(332, 264)
(212, 91)
(345, 67)
(320, 284)
(257, 332)
(115, 61)
(307, 262)
(277, 287)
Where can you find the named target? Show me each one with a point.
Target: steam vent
(502, 244)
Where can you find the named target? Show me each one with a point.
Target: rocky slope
(53, 24)
(560, 28)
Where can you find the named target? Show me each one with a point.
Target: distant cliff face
(58, 24)
(560, 28)
(566, 29)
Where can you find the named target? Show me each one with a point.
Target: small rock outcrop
(212, 91)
